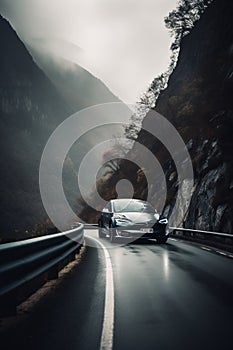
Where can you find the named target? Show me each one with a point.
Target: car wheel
(112, 234)
(101, 234)
(162, 240)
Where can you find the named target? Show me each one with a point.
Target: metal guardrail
(174, 230)
(215, 239)
(228, 235)
(91, 226)
(26, 265)
(220, 234)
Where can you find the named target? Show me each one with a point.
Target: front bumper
(144, 233)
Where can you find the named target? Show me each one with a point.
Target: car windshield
(123, 206)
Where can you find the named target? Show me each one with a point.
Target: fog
(122, 42)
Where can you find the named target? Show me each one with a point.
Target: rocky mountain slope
(78, 87)
(31, 107)
(198, 102)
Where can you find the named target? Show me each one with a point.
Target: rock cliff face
(198, 102)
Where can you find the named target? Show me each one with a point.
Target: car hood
(138, 217)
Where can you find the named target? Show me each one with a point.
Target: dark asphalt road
(173, 296)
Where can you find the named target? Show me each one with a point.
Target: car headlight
(163, 221)
(121, 219)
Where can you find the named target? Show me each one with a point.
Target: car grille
(159, 229)
(140, 225)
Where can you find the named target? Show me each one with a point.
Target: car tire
(112, 234)
(162, 240)
(101, 234)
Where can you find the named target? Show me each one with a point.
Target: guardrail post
(73, 256)
(78, 249)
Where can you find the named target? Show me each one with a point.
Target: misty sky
(122, 42)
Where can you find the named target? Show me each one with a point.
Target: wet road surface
(172, 296)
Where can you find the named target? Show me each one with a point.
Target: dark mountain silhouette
(77, 86)
(31, 107)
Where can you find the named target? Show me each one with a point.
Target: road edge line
(106, 342)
